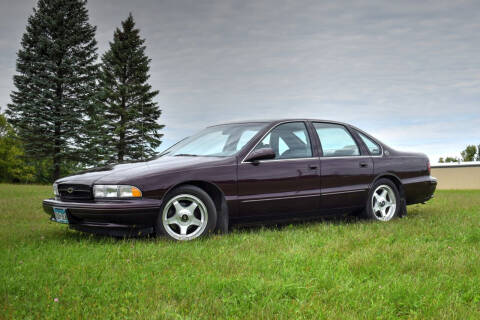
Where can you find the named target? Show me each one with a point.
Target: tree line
(69, 110)
(471, 153)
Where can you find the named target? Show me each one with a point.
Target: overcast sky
(408, 72)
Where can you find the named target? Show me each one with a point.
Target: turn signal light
(136, 192)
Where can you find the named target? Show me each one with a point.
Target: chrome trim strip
(342, 192)
(348, 157)
(282, 198)
(304, 196)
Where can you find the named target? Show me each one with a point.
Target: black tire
(174, 230)
(384, 211)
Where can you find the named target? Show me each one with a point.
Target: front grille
(75, 192)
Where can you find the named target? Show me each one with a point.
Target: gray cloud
(407, 71)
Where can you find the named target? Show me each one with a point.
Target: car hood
(125, 171)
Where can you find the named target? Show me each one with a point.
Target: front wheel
(384, 201)
(188, 213)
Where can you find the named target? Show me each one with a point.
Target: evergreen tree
(56, 81)
(131, 115)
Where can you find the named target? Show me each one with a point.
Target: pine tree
(131, 115)
(56, 81)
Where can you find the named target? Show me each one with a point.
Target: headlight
(55, 190)
(116, 191)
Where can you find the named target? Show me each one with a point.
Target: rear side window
(372, 146)
(336, 140)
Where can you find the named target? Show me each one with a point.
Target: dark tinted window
(336, 140)
(289, 140)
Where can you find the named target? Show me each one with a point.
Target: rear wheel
(384, 202)
(188, 213)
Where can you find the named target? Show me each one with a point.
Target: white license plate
(60, 215)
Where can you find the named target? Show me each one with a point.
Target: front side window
(216, 141)
(372, 146)
(288, 141)
(336, 141)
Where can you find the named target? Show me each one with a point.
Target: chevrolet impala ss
(245, 171)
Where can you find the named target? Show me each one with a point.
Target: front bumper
(114, 217)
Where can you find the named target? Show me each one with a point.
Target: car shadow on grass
(72, 235)
(340, 219)
(298, 222)
(238, 227)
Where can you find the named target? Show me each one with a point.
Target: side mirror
(261, 154)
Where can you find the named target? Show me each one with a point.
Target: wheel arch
(217, 196)
(398, 183)
(394, 178)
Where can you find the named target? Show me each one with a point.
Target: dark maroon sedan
(257, 170)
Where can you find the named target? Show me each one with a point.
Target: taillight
(428, 167)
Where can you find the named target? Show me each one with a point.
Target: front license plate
(60, 215)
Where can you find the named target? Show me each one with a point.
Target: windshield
(218, 141)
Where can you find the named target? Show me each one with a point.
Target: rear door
(346, 169)
(289, 183)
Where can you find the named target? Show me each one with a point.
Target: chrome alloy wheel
(384, 203)
(185, 217)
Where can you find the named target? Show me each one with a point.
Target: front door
(346, 173)
(289, 183)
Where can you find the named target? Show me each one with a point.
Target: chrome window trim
(263, 137)
(342, 192)
(282, 198)
(349, 157)
(304, 196)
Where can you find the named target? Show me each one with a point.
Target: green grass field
(426, 265)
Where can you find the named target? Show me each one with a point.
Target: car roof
(276, 121)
